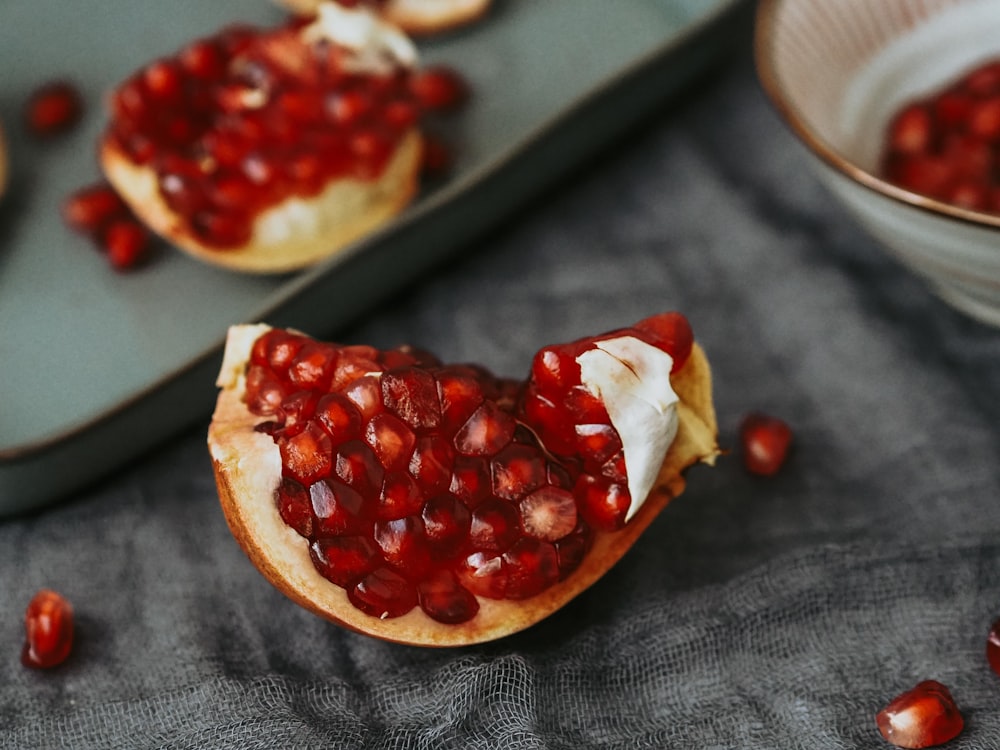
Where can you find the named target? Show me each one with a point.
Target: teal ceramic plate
(96, 366)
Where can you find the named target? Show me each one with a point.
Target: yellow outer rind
(247, 467)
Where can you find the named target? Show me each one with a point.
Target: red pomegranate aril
(602, 502)
(924, 716)
(404, 545)
(911, 131)
(313, 366)
(383, 593)
(344, 559)
(439, 88)
(459, 395)
(983, 81)
(89, 209)
(993, 647)
(446, 524)
(968, 194)
(532, 566)
(48, 625)
(671, 332)
(265, 393)
(354, 363)
(276, 349)
(484, 574)
(444, 599)
(307, 456)
(53, 108)
(295, 507)
(431, 463)
(221, 230)
(470, 480)
(486, 432)
(356, 464)
(400, 496)
(203, 60)
(364, 392)
(411, 394)
(572, 548)
(494, 526)
(764, 441)
(338, 416)
(548, 513)
(391, 439)
(597, 442)
(516, 471)
(125, 241)
(163, 82)
(336, 507)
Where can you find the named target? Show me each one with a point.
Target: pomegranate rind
(417, 17)
(345, 210)
(247, 467)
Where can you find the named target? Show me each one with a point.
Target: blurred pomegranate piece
(48, 624)
(925, 716)
(764, 441)
(53, 108)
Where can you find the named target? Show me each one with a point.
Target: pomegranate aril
(336, 507)
(911, 131)
(411, 394)
(404, 545)
(344, 559)
(597, 443)
(313, 366)
(383, 593)
(357, 466)
(307, 456)
(353, 363)
(516, 471)
(486, 432)
(125, 241)
(163, 82)
(264, 392)
(446, 524)
(339, 417)
(764, 441)
(400, 496)
(484, 574)
(276, 349)
(532, 566)
(548, 513)
(391, 439)
(924, 716)
(431, 463)
(53, 108)
(90, 209)
(470, 480)
(459, 395)
(439, 88)
(203, 59)
(48, 625)
(670, 332)
(296, 411)
(295, 507)
(984, 81)
(494, 526)
(602, 502)
(572, 548)
(365, 394)
(444, 599)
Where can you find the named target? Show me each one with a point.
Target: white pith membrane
(632, 379)
(300, 231)
(248, 468)
(414, 16)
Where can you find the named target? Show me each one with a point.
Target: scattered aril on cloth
(925, 716)
(53, 108)
(48, 624)
(764, 441)
(439, 504)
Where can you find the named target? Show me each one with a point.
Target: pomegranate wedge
(438, 504)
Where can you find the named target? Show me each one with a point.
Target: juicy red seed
(532, 566)
(356, 464)
(459, 395)
(125, 241)
(984, 119)
(383, 593)
(277, 349)
(494, 526)
(602, 503)
(313, 366)
(391, 440)
(439, 88)
(911, 131)
(344, 559)
(353, 364)
(411, 394)
(203, 59)
(296, 411)
(484, 575)
(554, 370)
(444, 599)
(53, 108)
(486, 432)
(571, 549)
(338, 416)
(597, 442)
(548, 513)
(336, 507)
(90, 209)
(295, 507)
(308, 456)
(163, 81)
(431, 463)
(48, 625)
(364, 393)
(470, 480)
(400, 496)
(765, 441)
(516, 471)
(404, 545)
(221, 230)
(993, 647)
(264, 392)
(446, 524)
(924, 716)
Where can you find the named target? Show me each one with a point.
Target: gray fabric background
(754, 613)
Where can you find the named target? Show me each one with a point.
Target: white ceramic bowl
(837, 70)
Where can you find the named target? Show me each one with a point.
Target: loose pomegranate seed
(764, 441)
(90, 209)
(126, 241)
(48, 624)
(53, 108)
(420, 483)
(439, 88)
(924, 716)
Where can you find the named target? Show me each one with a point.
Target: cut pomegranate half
(418, 17)
(433, 504)
(268, 150)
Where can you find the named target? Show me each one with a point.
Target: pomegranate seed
(391, 440)
(532, 566)
(984, 119)
(338, 416)
(516, 471)
(383, 593)
(53, 109)
(264, 392)
(313, 366)
(203, 59)
(412, 395)
(89, 209)
(602, 502)
(484, 575)
(470, 480)
(911, 130)
(295, 507)
(487, 431)
(307, 456)
(439, 88)
(984, 81)
(276, 349)
(431, 462)
(548, 513)
(400, 496)
(336, 507)
(48, 625)
(670, 332)
(344, 559)
(126, 241)
(357, 465)
(494, 526)
(163, 81)
(444, 599)
(924, 716)
(765, 441)
(446, 523)
(404, 545)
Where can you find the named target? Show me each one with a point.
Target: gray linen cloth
(777, 613)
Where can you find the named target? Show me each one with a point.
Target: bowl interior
(840, 70)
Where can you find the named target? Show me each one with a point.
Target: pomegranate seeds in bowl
(268, 150)
(924, 716)
(438, 504)
(48, 625)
